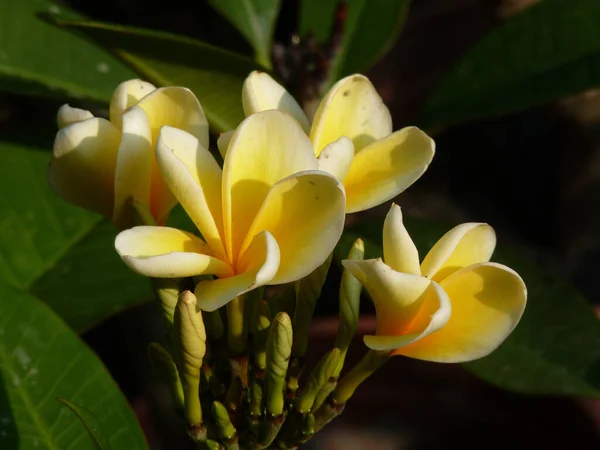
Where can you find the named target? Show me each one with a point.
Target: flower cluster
(272, 214)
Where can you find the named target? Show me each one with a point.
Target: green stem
(372, 361)
(237, 337)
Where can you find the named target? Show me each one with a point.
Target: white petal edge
(336, 158)
(67, 115)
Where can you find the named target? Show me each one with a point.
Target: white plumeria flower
(352, 137)
(103, 165)
(269, 217)
(455, 306)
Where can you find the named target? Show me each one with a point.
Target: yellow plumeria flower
(455, 306)
(352, 137)
(102, 165)
(269, 217)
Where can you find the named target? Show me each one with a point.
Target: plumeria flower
(104, 165)
(455, 306)
(269, 217)
(352, 137)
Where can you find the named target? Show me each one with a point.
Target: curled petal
(257, 268)
(163, 252)
(266, 148)
(305, 214)
(194, 177)
(134, 166)
(82, 169)
(387, 167)
(399, 251)
(261, 93)
(462, 246)
(488, 301)
(127, 94)
(68, 115)
(223, 142)
(351, 108)
(336, 158)
(408, 306)
(176, 107)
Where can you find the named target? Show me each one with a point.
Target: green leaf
(215, 75)
(38, 58)
(90, 422)
(42, 359)
(255, 19)
(555, 349)
(60, 253)
(547, 52)
(369, 31)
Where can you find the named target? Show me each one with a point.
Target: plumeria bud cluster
(238, 296)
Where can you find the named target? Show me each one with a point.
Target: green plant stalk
(322, 371)
(260, 335)
(214, 325)
(345, 388)
(225, 430)
(162, 361)
(237, 333)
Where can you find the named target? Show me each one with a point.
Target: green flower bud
(317, 379)
(224, 427)
(190, 342)
(279, 347)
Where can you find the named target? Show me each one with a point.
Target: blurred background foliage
(508, 89)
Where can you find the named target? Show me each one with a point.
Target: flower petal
(194, 177)
(127, 94)
(134, 166)
(406, 304)
(176, 107)
(399, 250)
(305, 214)
(462, 246)
(261, 93)
(267, 147)
(164, 252)
(82, 169)
(354, 109)
(434, 312)
(387, 167)
(488, 301)
(68, 115)
(223, 142)
(336, 158)
(258, 267)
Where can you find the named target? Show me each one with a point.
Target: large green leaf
(555, 349)
(255, 19)
(369, 30)
(549, 51)
(215, 75)
(60, 253)
(42, 359)
(38, 58)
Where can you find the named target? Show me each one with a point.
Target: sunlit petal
(399, 250)
(488, 301)
(336, 158)
(261, 93)
(266, 148)
(462, 246)
(305, 214)
(134, 166)
(387, 167)
(434, 312)
(127, 94)
(176, 107)
(351, 108)
(256, 268)
(164, 252)
(194, 177)
(68, 115)
(223, 142)
(82, 169)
